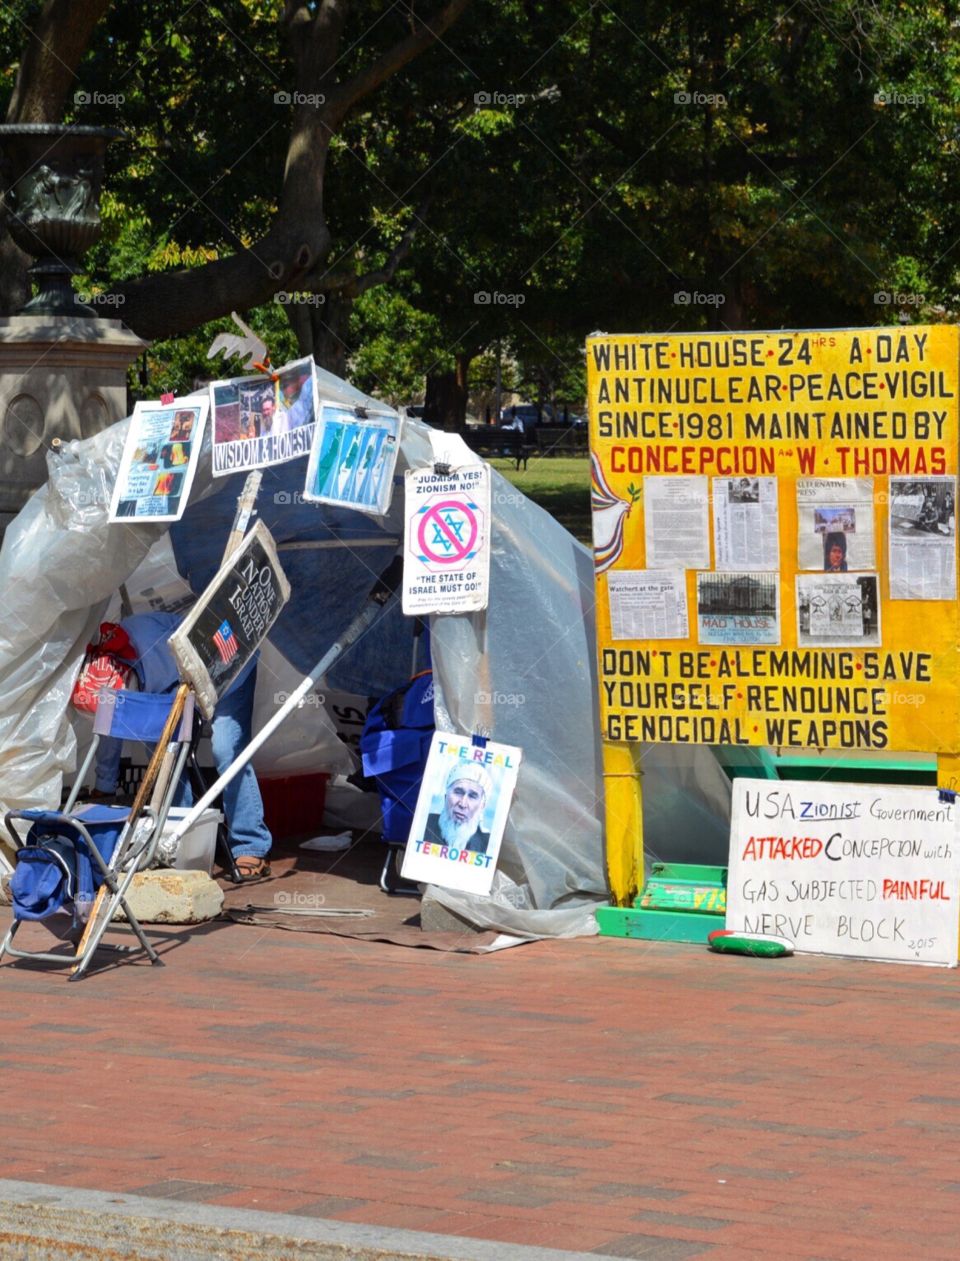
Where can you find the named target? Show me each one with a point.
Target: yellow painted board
(876, 404)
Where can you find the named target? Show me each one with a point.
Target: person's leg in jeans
(109, 751)
(242, 803)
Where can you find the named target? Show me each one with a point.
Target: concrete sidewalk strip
(54, 1223)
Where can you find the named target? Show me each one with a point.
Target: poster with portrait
(263, 420)
(159, 460)
(835, 524)
(461, 813)
(353, 459)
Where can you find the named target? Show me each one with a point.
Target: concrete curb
(53, 1223)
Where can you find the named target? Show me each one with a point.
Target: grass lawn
(561, 484)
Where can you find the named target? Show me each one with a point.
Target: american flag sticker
(225, 642)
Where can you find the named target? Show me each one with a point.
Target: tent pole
(361, 623)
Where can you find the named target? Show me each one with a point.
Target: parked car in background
(531, 414)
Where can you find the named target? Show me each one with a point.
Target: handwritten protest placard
(866, 870)
(226, 626)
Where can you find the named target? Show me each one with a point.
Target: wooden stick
(143, 793)
(248, 497)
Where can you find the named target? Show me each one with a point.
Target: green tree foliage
(542, 169)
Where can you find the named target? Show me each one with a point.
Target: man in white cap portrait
(467, 791)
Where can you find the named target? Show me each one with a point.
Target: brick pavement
(640, 1100)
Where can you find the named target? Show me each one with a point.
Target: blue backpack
(54, 870)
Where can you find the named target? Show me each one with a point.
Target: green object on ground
(684, 887)
(678, 902)
(627, 921)
(756, 944)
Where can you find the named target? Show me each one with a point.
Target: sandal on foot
(252, 868)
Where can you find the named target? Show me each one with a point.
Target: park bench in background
(491, 441)
(562, 440)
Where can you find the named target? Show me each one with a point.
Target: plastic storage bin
(197, 846)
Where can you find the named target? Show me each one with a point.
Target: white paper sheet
(838, 610)
(746, 534)
(676, 522)
(647, 604)
(923, 534)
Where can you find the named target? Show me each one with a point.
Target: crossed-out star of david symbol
(453, 523)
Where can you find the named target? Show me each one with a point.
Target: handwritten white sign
(865, 870)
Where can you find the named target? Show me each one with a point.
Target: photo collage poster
(159, 461)
(263, 420)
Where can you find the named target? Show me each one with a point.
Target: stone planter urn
(63, 372)
(51, 178)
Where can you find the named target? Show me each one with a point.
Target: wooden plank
(624, 822)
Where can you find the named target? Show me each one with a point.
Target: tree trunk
(321, 328)
(445, 404)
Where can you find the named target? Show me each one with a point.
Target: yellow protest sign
(775, 537)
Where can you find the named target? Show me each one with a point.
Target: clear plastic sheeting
(524, 672)
(686, 805)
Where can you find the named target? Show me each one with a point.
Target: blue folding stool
(394, 746)
(67, 855)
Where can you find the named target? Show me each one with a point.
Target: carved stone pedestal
(60, 377)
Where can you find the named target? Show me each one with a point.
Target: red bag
(106, 667)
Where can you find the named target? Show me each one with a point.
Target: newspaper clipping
(738, 608)
(745, 523)
(923, 556)
(647, 604)
(835, 524)
(838, 610)
(676, 522)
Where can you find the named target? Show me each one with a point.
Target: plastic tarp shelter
(529, 661)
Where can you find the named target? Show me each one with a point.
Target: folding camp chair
(67, 855)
